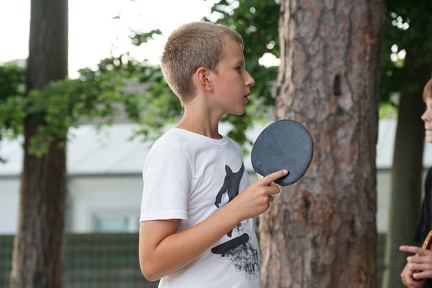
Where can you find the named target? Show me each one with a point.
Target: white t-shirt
(188, 176)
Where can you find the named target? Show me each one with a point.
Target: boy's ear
(202, 77)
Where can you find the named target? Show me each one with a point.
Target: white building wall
(9, 203)
(118, 198)
(383, 199)
(95, 199)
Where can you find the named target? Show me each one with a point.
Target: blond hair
(193, 45)
(427, 91)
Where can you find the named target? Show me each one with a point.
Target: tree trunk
(407, 172)
(321, 232)
(38, 245)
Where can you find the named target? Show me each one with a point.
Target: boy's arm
(163, 250)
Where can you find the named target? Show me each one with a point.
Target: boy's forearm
(179, 249)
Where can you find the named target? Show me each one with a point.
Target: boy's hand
(418, 267)
(257, 198)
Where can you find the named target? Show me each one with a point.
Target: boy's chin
(238, 113)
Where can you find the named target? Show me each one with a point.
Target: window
(115, 223)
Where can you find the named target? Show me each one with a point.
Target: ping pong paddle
(284, 144)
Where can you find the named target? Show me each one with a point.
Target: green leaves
(11, 99)
(408, 30)
(142, 38)
(116, 88)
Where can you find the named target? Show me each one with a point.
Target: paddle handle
(427, 242)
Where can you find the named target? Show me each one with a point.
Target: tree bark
(38, 245)
(407, 172)
(321, 232)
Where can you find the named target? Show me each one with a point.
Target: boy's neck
(200, 125)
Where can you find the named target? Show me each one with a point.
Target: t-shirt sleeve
(166, 183)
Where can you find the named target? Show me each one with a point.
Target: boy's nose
(250, 81)
(427, 115)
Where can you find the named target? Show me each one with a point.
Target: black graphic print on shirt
(238, 250)
(231, 184)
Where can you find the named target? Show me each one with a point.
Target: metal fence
(91, 261)
(109, 261)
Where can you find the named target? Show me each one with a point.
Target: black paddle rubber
(284, 144)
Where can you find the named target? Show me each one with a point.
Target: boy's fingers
(412, 249)
(273, 177)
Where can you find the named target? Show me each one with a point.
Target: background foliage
(102, 94)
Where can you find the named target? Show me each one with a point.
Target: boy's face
(427, 118)
(232, 82)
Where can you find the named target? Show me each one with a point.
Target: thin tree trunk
(321, 232)
(38, 245)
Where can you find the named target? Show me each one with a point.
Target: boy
(195, 224)
(418, 270)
